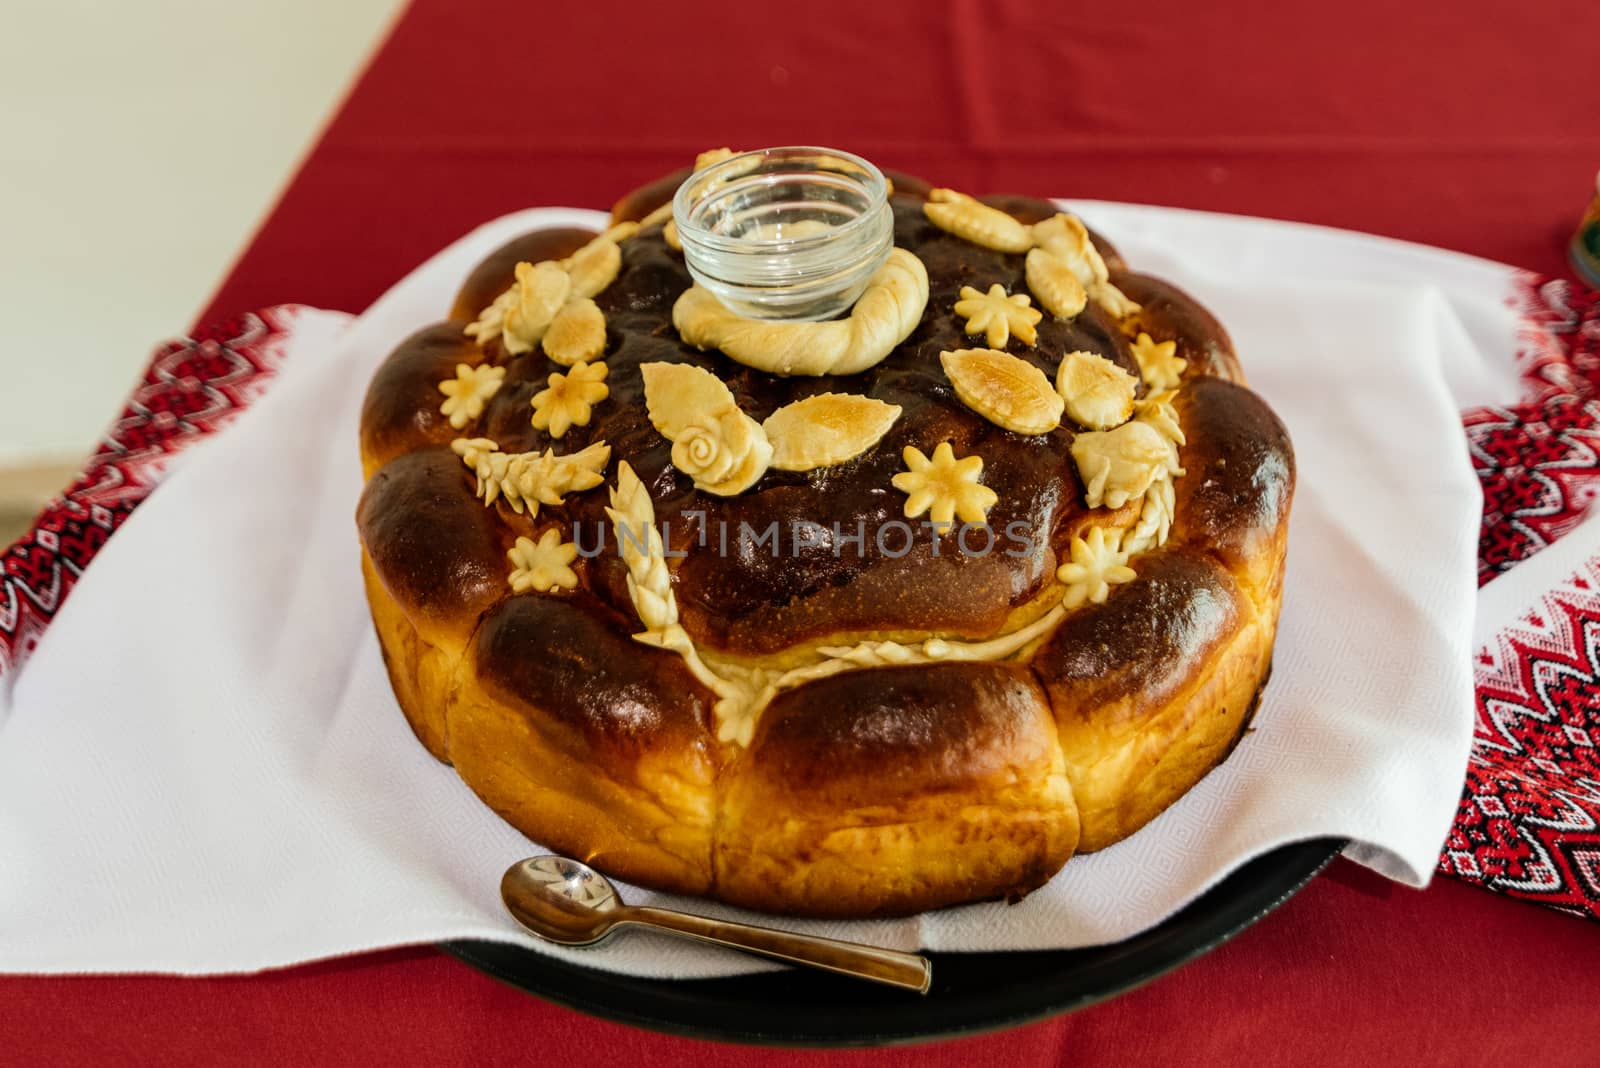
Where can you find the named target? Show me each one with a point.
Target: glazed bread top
(757, 599)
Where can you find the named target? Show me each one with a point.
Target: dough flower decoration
(997, 316)
(552, 302)
(1159, 363)
(569, 399)
(1009, 392)
(1118, 465)
(1098, 563)
(944, 486)
(528, 479)
(725, 451)
(467, 393)
(888, 310)
(543, 565)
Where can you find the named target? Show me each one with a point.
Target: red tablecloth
(1477, 128)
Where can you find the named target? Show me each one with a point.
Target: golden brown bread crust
(897, 790)
(877, 791)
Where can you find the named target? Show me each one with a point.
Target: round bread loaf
(822, 725)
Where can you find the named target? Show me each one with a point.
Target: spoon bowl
(567, 902)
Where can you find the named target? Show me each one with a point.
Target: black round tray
(972, 992)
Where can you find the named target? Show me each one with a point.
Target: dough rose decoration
(1009, 392)
(1098, 563)
(998, 316)
(726, 452)
(528, 479)
(1098, 393)
(1159, 363)
(713, 442)
(569, 399)
(889, 309)
(467, 393)
(944, 487)
(543, 565)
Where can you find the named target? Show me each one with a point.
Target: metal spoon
(561, 900)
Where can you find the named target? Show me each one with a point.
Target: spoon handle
(887, 966)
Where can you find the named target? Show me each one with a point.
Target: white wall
(140, 143)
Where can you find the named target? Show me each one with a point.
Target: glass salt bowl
(788, 233)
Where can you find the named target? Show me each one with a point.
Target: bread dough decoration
(1159, 362)
(633, 518)
(997, 316)
(827, 429)
(975, 221)
(669, 229)
(1158, 510)
(1098, 393)
(742, 691)
(1065, 238)
(528, 479)
(467, 393)
(556, 296)
(713, 442)
(1004, 737)
(726, 452)
(1056, 247)
(1098, 563)
(944, 487)
(543, 565)
(1157, 411)
(1155, 517)
(569, 399)
(577, 334)
(1009, 392)
(889, 309)
(1118, 465)
(1051, 280)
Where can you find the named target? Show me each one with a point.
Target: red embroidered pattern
(193, 387)
(1529, 821)
(1539, 460)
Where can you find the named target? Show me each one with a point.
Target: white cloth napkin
(202, 769)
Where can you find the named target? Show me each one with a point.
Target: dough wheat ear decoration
(528, 479)
(633, 519)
